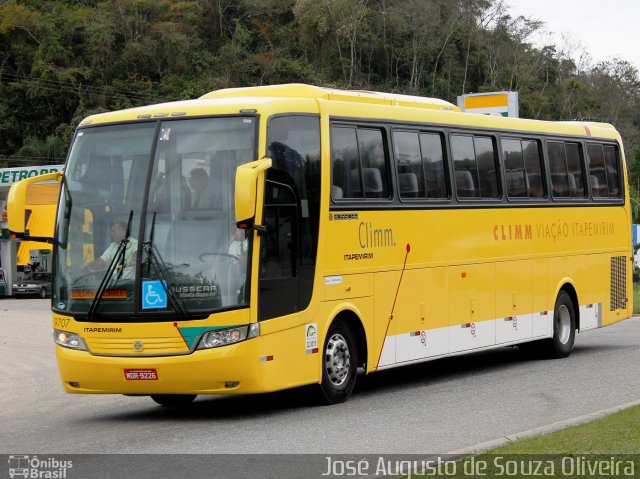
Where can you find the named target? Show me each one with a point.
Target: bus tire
(173, 400)
(339, 364)
(564, 327)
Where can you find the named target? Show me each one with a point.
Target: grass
(618, 433)
(562, 453)
(636, 298)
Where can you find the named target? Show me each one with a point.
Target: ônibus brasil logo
(34, 468)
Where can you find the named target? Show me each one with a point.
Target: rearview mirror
(247, 176)
(16, 205)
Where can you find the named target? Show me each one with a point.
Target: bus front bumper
(231, 369)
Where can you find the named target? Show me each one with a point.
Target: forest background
(63, 60)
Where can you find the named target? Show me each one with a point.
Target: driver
(118, 233)
(239, 244)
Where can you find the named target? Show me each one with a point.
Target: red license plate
(140, 374)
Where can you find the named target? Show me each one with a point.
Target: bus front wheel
(173, 400)
(339, 364)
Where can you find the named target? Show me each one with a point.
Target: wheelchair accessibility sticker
(154, 296)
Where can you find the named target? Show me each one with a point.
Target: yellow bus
(264, 238)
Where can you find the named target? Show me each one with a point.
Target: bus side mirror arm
(16, 205)
(250, 225)
(246, 193)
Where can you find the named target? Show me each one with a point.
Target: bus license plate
(140, 374)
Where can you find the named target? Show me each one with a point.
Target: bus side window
(557, 169)
(597, 172)
(337, 179)
(533, 168)
(565, 166)
(514, 168)
(345, 163)
(486, 163)
(464, 163)
(612, 163)
(359, 163)
(373, 163)
(432, 148)
(574, 170)
(409, 164)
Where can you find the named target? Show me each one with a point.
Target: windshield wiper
(118, 257)
(126, 242)
(160, 267)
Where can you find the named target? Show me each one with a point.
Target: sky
(604, 28)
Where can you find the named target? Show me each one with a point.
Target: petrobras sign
(8, 176)
(501, 103)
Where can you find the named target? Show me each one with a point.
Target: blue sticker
(154, 295)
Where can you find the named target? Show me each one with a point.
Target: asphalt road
(431, 408)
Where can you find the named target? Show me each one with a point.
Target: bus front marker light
(254, 330)
(69, 340)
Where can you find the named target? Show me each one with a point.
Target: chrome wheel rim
(337, 359)
(563, 324)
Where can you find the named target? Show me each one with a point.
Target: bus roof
(299, 90)
(345, 103)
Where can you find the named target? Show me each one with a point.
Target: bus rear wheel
(173, 400)
(564, 327)
(339, 364)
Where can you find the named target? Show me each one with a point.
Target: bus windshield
(146, 220)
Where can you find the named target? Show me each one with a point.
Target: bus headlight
(223, 337)
(69, 340)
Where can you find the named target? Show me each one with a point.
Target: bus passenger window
(565, 166)
(533, 168)
(597, 172)
(420, 165)
(409, 164)
(612, 162)
(433, 163)
(558, 169)
(464, 163)
(486, 161)
(574, 168)
(345, 168)
(474, 162)
(523, 170)
(359, 163)
(514, 169)
(373, 162)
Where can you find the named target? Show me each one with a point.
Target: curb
(556, 426)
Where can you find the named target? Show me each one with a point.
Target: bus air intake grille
(618, 298)
(137, 347)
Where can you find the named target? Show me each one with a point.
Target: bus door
(278, 283)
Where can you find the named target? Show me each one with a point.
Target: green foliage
(61, 60)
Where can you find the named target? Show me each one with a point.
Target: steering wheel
(215, 253)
